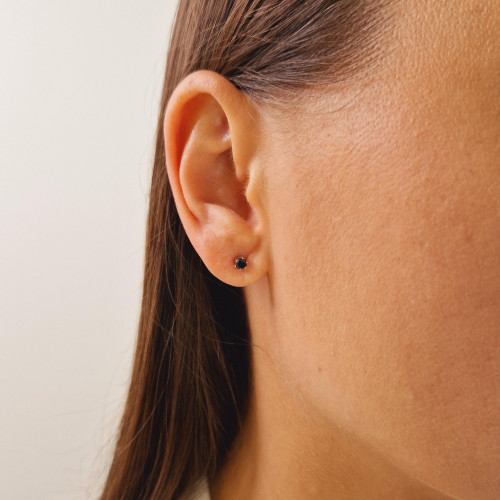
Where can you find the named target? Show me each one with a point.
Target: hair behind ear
(190, 374)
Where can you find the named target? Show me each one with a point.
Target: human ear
(210, 143)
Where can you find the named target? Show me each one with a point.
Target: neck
(286, 451)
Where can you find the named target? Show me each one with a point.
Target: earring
(240, 263)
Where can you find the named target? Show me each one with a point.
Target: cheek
(386, 285)
(386, 267)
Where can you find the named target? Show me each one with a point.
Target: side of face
(383, 205)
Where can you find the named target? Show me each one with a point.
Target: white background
(80, 84)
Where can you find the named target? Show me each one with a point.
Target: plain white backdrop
(80, 84)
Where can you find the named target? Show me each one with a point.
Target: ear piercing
(240, 263)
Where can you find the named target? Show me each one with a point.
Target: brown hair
(191, 373)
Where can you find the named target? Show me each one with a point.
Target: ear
(210, 139)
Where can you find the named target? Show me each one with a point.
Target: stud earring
(240, 263)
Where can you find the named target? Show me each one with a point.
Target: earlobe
(209, 159)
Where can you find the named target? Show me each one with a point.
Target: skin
(370, 218)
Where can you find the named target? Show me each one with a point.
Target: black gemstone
(240, 263)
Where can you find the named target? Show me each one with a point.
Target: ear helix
(240, 263)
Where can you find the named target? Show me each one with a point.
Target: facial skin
(371, 223)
